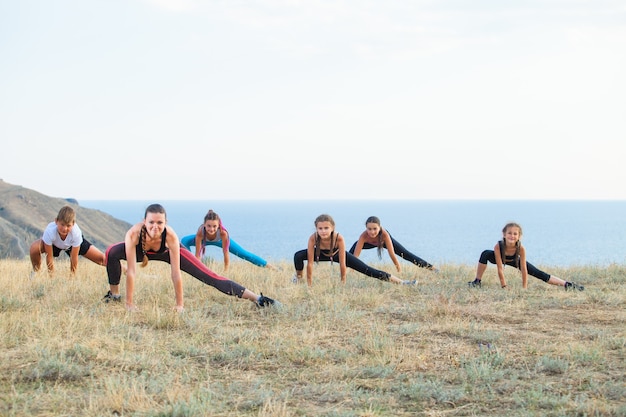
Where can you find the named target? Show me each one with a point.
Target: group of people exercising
(154, 239)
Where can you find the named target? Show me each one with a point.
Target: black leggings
(84, 247)
(490, 256)
(351, 262)
(400, 250)
(188, 263)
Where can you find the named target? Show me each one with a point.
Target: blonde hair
(518, 244)
(512, 224)
(333, 237)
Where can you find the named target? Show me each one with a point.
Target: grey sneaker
(410, 282)
(573, 286)
(108, 297)
(475, 284)
(294, 279)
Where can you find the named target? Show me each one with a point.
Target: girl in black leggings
(510, 251)
(327, 245)
(375, 236)
(152, 239)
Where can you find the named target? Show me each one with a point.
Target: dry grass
(364, 349)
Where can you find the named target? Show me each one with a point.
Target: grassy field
(368, 348)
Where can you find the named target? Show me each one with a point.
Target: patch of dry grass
(368, 348)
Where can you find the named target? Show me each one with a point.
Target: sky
(337, 99)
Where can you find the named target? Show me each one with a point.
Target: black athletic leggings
(188, 263)
(490, 256)
(84, 247)
(351, 262)
(400, 250)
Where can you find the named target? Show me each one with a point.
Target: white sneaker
(294, 279)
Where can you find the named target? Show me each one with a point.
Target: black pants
(188, 263)
(351, 262)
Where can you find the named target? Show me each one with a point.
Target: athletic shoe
(264, 301)
(573, 286)
(475, 283)
(411, 282)
(294, 279)
(108, 297)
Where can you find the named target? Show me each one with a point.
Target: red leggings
(188, 263)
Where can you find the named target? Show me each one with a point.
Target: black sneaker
(108, 297)
(264, 301)
(475, 284)
(573, 286)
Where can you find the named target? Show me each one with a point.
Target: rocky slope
(24, 214)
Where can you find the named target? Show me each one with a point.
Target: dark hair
(152, 208)
(379, 247)
(211, 215)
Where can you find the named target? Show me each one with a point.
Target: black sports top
(162, 249)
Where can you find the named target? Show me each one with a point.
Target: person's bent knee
(37, 247)
(487, 256)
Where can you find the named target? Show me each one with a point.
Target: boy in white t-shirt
(63, 235)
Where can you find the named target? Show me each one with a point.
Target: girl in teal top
(212, 232)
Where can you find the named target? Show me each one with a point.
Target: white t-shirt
(73, 239)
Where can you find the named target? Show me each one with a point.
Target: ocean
(555, 233)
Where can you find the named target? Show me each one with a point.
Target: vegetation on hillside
(24, 214)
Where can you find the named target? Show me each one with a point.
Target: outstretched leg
(94, 255)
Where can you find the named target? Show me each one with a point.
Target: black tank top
(508, 259)
(162, 249)
(331, 252)
(327, 252)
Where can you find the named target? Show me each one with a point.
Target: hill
(25, 213)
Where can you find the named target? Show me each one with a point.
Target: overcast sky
(352, 99)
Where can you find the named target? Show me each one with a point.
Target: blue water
(557, 233)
